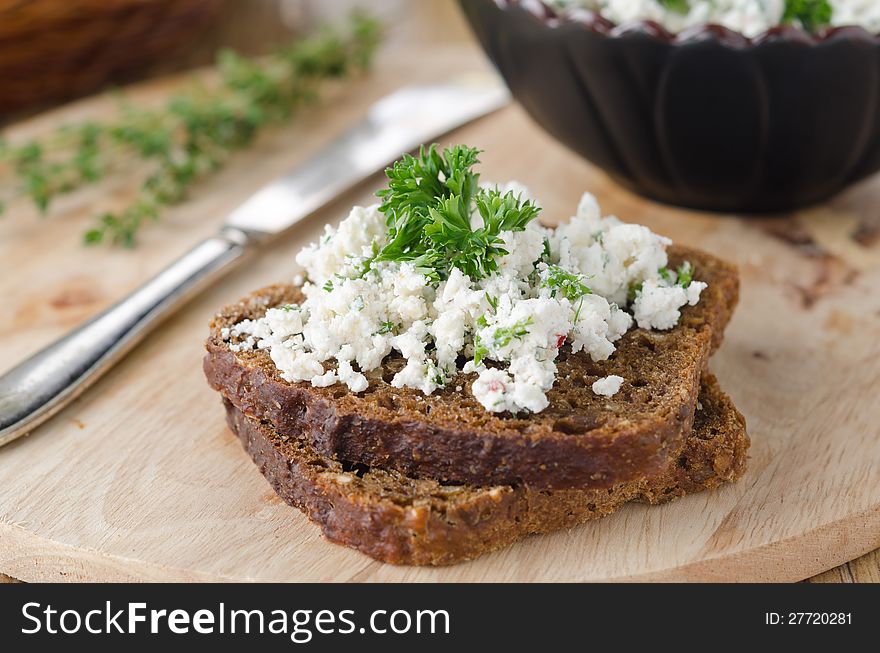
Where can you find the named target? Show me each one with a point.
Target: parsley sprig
(811, 14)
(429, 204)
(572, 286)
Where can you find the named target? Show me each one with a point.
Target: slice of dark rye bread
(581, 440)
(403, 520)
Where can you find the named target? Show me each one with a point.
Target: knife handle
(42, 385)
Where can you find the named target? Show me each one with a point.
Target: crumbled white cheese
(575, 284)
(749, 17)
(608, 386)
(492, 389)
(614, 255)
(856, 12)
(657, 304)
(326, 379)
(340, 248)
(356, 381)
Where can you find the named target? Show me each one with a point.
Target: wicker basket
(51, 50)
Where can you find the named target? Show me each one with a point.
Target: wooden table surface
(861, 570)
(423, 22)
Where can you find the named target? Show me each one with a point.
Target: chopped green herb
(367, 264)
(571, 285)
(634, 290)
(435, 373)
(328, 285)
(577, 312)
(678, 6)
(681, 277)
(387, 327)
(503, 335)
(811, 14)
(685, 274)
(493, 302)
(480, 350)
(546, 253)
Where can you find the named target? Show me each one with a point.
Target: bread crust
(403, 520)
(580, 441)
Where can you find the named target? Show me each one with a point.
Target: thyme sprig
(190, 137)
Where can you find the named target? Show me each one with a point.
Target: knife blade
(395, 124)
(42, 385)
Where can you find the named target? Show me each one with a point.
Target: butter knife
(42, 385)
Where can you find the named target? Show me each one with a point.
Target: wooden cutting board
(140, 479)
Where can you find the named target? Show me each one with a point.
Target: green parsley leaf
(417, 184)
(480, 350)
(681, 277)
(435, 373)
(387, 327)
(503, 335)
(678, 6)
(428, 206)
(571, 285)
(545, 254)
(685, 274)
(633, 291)
(811, 14)
(577, 311)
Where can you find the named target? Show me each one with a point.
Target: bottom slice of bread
(403, 520)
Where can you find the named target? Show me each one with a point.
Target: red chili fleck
(560, 340)
(496, 386)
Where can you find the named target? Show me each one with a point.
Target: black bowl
(706, 118)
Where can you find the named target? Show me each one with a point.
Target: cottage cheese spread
(608, 386)
(750, 17)
(568, 285)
